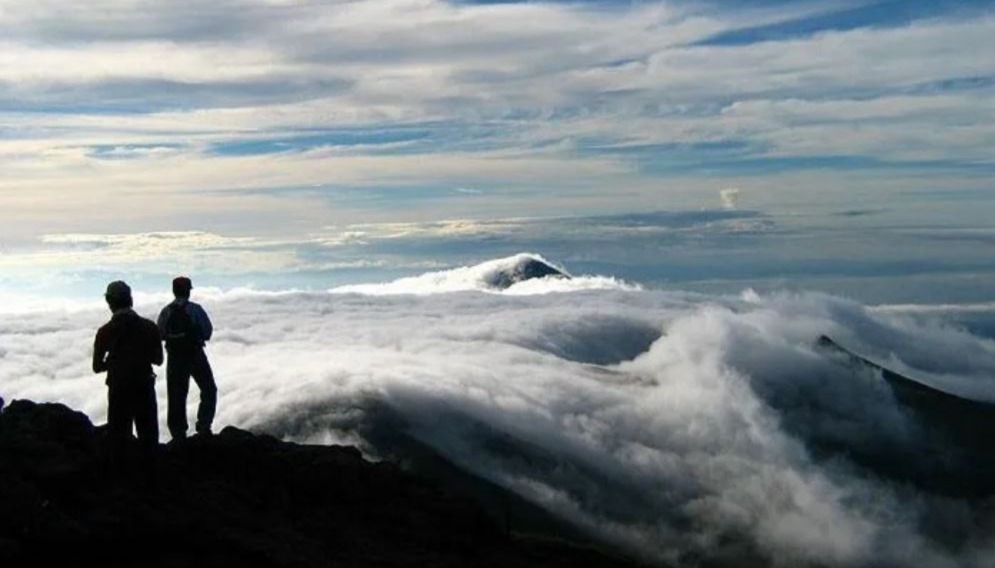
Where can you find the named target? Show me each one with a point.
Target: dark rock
(235, 499)
(526, 268)
(954, 451)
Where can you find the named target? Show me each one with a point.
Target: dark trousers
(180, 366)
(131, 400)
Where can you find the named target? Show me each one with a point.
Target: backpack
(181, 332)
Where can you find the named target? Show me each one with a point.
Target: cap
(118, 289)
(182, 284)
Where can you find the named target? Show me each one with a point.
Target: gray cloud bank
(681, 426)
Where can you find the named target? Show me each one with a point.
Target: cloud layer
(681, 426)
(210, 108)
(874, 255)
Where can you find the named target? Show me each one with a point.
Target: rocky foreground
(236, 499)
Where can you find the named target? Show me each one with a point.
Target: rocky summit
(236, 499)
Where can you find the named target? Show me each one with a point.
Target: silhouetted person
(126, 348)
(185, 328)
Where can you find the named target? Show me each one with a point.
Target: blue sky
(275, 120)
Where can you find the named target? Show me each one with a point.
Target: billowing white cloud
(676, 424)
(730, 197)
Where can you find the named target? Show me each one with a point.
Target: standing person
(126, 347)
(185, 328)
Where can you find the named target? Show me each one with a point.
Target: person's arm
(204, 323)
(100, 352)
(155, 345)
(161, 322)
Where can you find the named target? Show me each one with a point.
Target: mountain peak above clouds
(519, 274)
(520, 268)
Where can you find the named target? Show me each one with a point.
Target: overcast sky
(280, 119)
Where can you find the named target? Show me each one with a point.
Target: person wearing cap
(185, 328)
(126, 348)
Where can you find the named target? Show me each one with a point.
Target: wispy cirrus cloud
(555, 103)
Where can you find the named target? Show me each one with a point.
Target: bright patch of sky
(141, 138)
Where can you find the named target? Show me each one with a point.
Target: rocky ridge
(237, 499)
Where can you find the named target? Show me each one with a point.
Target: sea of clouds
(677, 425)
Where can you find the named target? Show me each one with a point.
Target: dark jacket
(127, 347)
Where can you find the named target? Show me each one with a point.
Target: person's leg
(147, 425)
(146, 414)
(177, 386)
(118, 425)
(203, 375)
